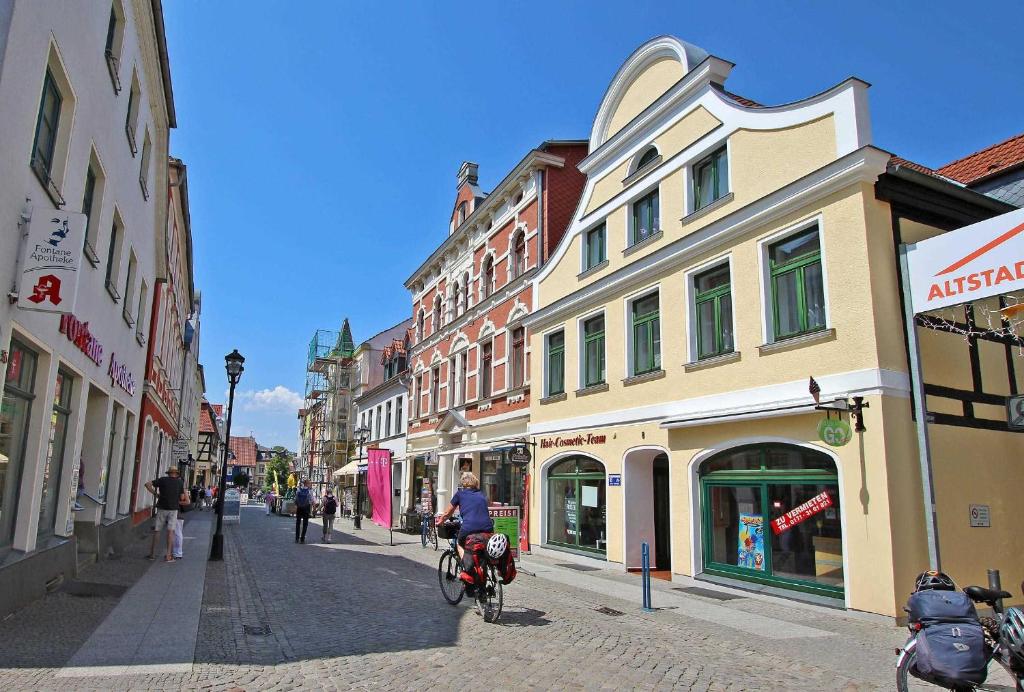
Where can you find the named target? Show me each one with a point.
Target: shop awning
(349, 469)
(695, 419)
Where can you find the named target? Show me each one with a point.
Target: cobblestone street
(360, 613)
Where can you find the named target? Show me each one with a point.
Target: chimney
(467, 174)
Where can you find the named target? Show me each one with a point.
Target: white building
(85, 111)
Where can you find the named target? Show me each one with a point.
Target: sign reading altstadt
(48, 280)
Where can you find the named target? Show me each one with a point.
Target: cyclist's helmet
(932, 580)
(497, 545)
(1011, 635)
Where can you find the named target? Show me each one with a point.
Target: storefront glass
(771, 514)
(14, 418)
(423, 474)
(55, 453)
(500, 479)
(576, 504)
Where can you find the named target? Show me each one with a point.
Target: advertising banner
(971, 263)
(818, 503)
(751, 542)
(506, 521)
(48, 280)
(378, 484)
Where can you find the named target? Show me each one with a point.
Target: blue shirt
(473, 507)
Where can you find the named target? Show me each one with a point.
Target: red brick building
(470, 391)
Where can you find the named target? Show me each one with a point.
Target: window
(387, 420)
(113, 259)
(798, 289)
(90, 201)
(112, 47)
(131, 120)
(380, 420)
(518, 356)
(398, 416)
(129, 290)
(576, 504)
(646, 335)
(369, 427)
(556, 363)
(594, 247)
(465, 291)
(461, 216)
(435, 389)
(487, 277)
(419, 325)
(55, 453)
(19, 391)
(456, 300)
(140, 316)
(649, 156)
(646, 220)
(485, 370)
(593, 351)
(45, 142)
(417, 397)
(461, 372)
(519, 255)
(710, 179)
(435, 323)
(144, 167)
(713, 312)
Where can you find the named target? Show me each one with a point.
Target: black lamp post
(361, 435)
(233, 363)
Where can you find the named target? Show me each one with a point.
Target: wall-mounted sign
(980, 516)
(801, 513)
(578, 441)
(1015, 412)
(834, 432)
(53, 256)
(520, 455)
(78, 333)
(179, 451)
(120, 375)
(614, 479)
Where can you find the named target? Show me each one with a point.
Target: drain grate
(257, 630)
(578, 568)
(605, 610)
(94, 589)
(707, 593)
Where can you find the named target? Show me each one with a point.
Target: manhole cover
(257, 630)
(707, 593)
(94, 589)
(605, 610)
(578, 568)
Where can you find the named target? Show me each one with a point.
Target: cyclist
(472, 505)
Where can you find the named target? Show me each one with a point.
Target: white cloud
(280, 399)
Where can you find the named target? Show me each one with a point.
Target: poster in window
(751, 542)
(589, 493)
(570, 516)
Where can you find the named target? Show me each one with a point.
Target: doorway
(647, 510)
(662, 523)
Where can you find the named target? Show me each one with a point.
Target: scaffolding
(327, 405)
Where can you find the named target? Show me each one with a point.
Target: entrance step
(84, 560)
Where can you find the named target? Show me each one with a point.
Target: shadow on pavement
(523, 617)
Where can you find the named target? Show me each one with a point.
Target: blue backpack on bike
(950, 647)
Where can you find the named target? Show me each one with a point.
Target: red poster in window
(14, 367)
(795, 516)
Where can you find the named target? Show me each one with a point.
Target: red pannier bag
(473, 558)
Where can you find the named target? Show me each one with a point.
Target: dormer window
(647, 158)
(461, 214)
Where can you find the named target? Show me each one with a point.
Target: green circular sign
(834, 432)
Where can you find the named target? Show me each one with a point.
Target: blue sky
(322, 138)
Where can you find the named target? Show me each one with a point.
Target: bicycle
(428, 531)
(994, 648)
(488, 596)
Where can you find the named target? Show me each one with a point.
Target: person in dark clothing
(303, 505)
(472, 506)
(168, 491)
(194, 495)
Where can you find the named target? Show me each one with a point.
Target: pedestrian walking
(209, 498)
(269, 501)
(169, 492)
(303, 504)
(330, 509)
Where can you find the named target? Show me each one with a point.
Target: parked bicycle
(949, 645)
(488, 596)
(428, 532)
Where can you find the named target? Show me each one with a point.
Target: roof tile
(244, 449)
(987, 162)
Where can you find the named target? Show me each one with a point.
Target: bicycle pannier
(951, 654)
(506, 566)
(475, 556)
(927, 607)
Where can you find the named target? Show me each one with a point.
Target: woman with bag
(330, 509)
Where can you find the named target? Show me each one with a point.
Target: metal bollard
(996, 585)
(645, 576)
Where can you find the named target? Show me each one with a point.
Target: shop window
(797, 284)
(556, 363)
(710, 179)
(594, 250)
(713, 311)
(576, 510)
(772, 514)
(486, 373)
(645, 217)
(646, 334)
(19, 391)
(501, 480)
(593, 351)
(54, 463)
(518, 356)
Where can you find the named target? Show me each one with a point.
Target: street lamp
(361, 435)
(233, 363)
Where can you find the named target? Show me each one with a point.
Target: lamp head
(233, 363)
(361, 433)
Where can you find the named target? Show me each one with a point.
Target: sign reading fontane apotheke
(48, 277)
(971, 263)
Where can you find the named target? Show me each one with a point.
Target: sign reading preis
(577, 441)
(797, 515)
(48, 280)
(506, 521)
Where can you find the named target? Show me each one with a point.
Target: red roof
(244, 449)
(905, 163)
(207, 419)
(987, 162)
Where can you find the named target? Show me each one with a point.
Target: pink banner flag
(378, 484)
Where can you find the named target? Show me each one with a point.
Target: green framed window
(45, 141)
(771, 514)
(556, 363)
(595, 247)
(646, 218)
(59, 417)
(18, 394)
(710, 179)
(576, 512)
(646, 334)
(593, 351)
(798, 287)
(713, 311)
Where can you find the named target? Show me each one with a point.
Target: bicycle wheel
(489, 599)
(432, 535)
(448, 569)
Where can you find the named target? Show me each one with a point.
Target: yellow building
(722, 254)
